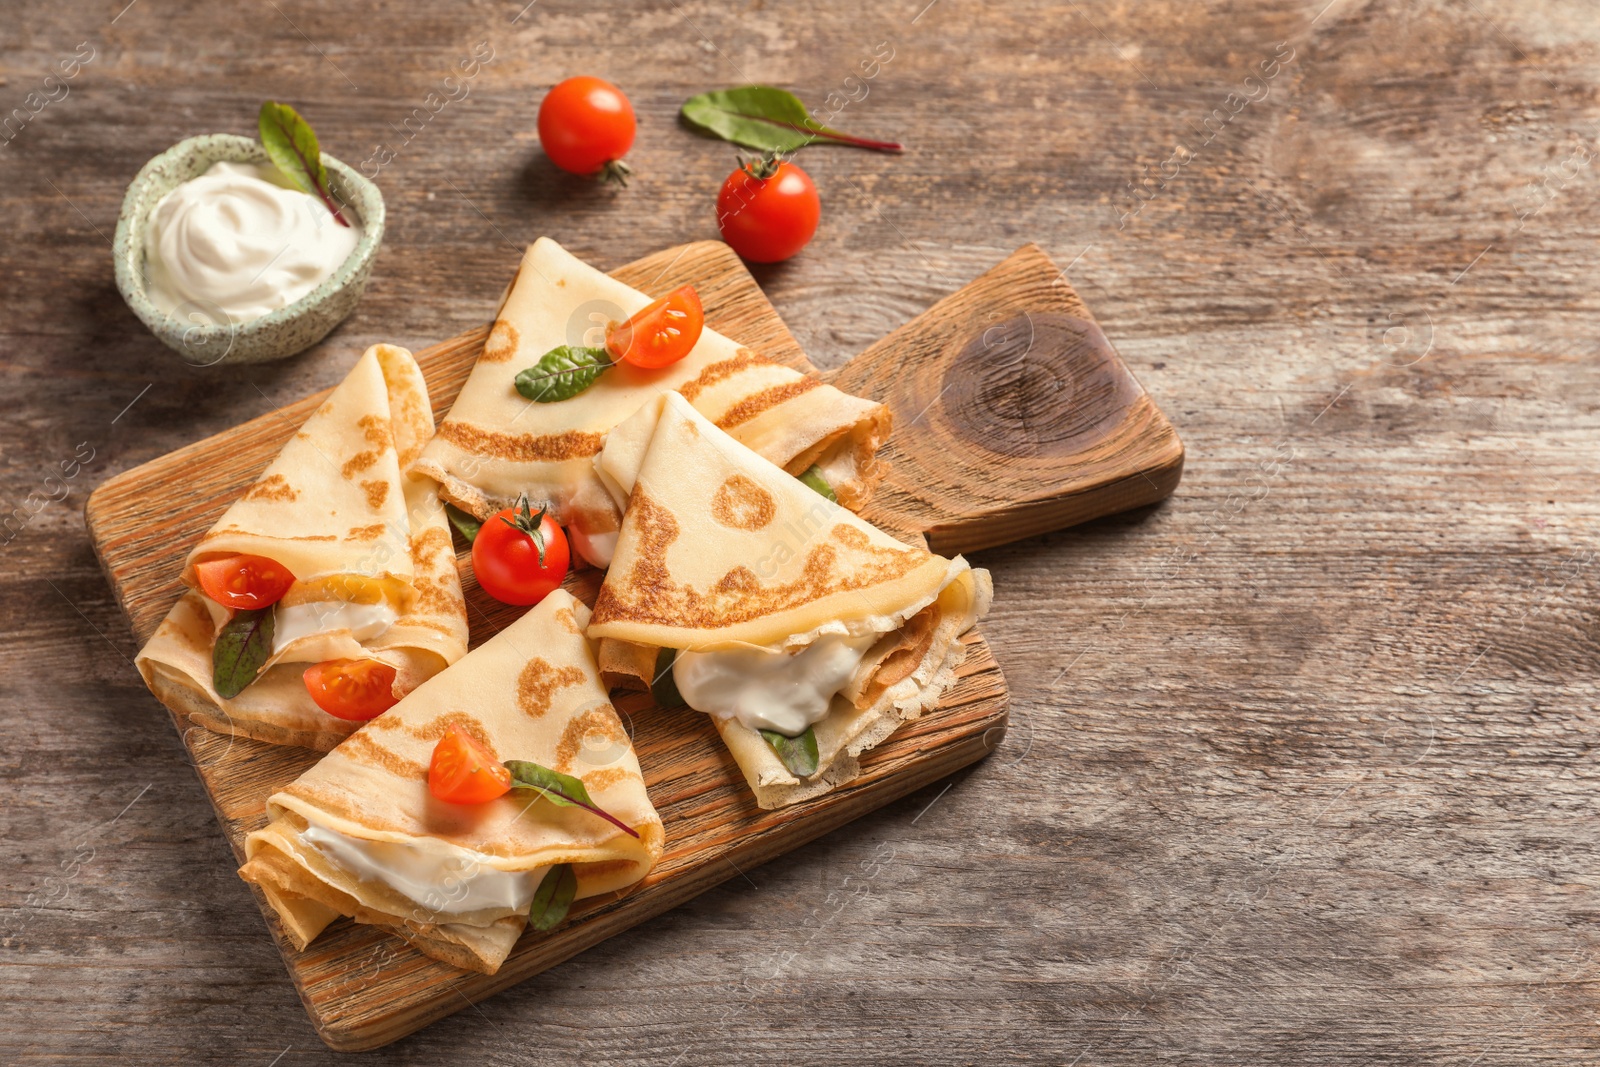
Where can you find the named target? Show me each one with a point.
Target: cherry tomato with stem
(586, 126)
(245, 582)
(662, 333)
(520, 556)
(352, 689)
(768, 210)
(464, 771)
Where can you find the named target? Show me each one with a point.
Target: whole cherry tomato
(463, 771)
(662, 333)
(520, 556)
(768, 210)
(354, 689)
(244, 582)
(586, 126)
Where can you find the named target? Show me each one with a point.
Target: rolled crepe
(722, 550)
(495, 445)
(531, 692)
(336, 510)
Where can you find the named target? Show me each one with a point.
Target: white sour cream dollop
(768, 689)
(234, 244)
(444, 878)
(291, 622)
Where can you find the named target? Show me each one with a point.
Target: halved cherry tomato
(465, 772)
(354, 689)
(244, 582)
(519, 556)
(662, 333)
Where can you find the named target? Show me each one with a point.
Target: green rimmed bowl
(277, 334)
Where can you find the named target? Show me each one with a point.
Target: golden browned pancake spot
(427, 544)
(599, 723)
(437, 728)
(849, 536)
(845, 562)
(568, 621)
(362, 749)
(435, 598)
(377, 492)
(538, 682)
(502, 342)
(366, 533)
(650, 587)
(595, 781)
(358, 463)
(376, 431)
(274, 487)
(720, 371)
(751, 406)
(740, 504)
(523, 448)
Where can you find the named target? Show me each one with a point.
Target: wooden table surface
(1300, 768)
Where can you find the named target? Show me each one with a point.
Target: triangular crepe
(532, 693)
(495, 445)
(720, 551)
(336, 510)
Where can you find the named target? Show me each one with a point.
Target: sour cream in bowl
(225, 261)
(239, 242)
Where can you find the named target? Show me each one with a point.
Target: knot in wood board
(1036, 383)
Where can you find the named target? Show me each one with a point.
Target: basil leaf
(665, 687)
(562, 373)
(799, 754)
(563, 790)
(292, 146)
(242, 647)
(767, 119)
(465, 524)
(553, 897)
(814, 480)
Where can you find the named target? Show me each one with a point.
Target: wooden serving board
(364, 988)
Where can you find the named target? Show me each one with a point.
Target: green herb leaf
(553, 897)
(242, 647)
(814, 480)
(799, 754)
(291, 144)
(665, 688)
(560, 789)
(465, 524)
(766, 119)
(563, 373)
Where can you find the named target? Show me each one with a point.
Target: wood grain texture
(1301, 766)
(364, 988)
(1013, 415)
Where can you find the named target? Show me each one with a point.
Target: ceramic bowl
(277, 334)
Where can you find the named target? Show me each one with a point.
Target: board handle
(1013, 415)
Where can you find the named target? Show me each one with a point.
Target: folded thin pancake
(721, 550)
(531, 692)
(495, 445)
(335, 509)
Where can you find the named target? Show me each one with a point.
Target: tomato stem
(528, 523)
(617, 171)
